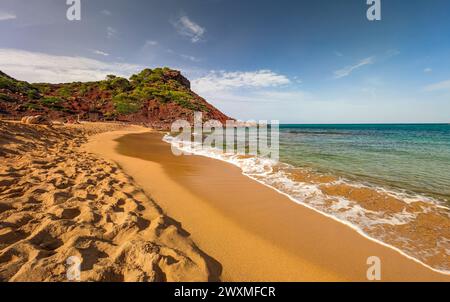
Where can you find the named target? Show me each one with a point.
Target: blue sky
(310, 61)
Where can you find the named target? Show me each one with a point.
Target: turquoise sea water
(391, 183)
(410, 157)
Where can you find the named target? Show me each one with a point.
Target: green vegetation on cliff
(153, 96)
(129, 95)
(126, 104)
(20, 87)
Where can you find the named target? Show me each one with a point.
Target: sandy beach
(57, 202)
(225, 142)
(254, 233)
(116, 197)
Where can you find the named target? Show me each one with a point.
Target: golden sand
(255, 233)
(108, 202)
(57, 201)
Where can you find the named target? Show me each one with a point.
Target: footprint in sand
(69, 213)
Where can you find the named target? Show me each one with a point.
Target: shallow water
(415, 158)
(388, 182)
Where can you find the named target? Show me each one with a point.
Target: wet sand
(255, 233)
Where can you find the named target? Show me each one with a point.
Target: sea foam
(276, 176)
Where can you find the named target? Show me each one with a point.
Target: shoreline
(411, 224)
(172, 174)
(346, 223)
(356, 229)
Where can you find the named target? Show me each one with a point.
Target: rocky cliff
(155, 98)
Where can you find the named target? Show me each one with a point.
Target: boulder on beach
(36, 120)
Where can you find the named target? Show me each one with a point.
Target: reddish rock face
(93, 102)
(177, 76)
(161, 116)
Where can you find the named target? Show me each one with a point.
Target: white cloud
(111, 32)
(106, 12)
(7, 16)
(428, 70)
(221, 80)
(238, 92)
(346, 71)
(188, 28)
(444, 85)
(263, 96)
(297, 80)
(149, 43)
(261, 104)
(101, 53)
(190, 58)
(41, 67)
(283, 96)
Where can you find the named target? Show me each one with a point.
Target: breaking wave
(391, 218)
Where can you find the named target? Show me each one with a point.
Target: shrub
(6, 98)
(111, 115)
(6, 83)
(64, 92)
(117, 85)
(19, 87)
(22, 86)
(33, 94)
(42, 88)
(191, 105)
(83, 90)
(51, 101)
(126, 104)
(32, 106)
(158, 71)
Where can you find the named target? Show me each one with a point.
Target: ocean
(389, 182)
(411, 157)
